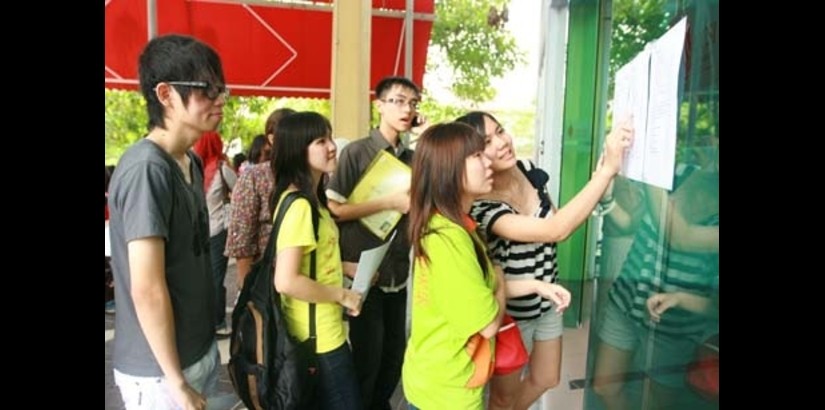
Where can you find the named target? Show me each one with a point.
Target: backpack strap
(267, 282)
(269, 254)
(262, 275)
(312, 272)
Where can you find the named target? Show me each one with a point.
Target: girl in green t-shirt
(457, 297)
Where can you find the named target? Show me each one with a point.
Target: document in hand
(385, 175)
(368, 266)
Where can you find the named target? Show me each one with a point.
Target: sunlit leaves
(476, 51)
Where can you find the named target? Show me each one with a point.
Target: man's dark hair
(387, 83)
(175, 58)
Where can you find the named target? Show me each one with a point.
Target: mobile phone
(416, 121)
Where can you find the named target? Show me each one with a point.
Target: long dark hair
(475, 119)
(289, 156)
(256, 148)
(438, 180)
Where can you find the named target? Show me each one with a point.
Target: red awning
(278, 50)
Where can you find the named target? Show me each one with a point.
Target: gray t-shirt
(149, 197)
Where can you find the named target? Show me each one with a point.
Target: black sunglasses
(211, 91)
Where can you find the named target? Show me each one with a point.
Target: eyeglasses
(212, 91)
(400, 102)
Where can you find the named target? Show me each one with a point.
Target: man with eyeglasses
(377, 335)
(165, 353)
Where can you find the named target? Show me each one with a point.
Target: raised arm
(525, 228)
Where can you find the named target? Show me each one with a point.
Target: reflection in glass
(658, 284)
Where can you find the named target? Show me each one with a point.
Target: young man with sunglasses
(377, 335)
(165, 353)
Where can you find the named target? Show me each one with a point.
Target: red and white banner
(276, 50)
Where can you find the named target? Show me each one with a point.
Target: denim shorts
(661, 356)
(548, 326)
(153, 392)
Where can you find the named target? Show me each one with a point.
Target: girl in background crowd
(251, 220)
(259, 152)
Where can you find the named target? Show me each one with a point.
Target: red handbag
(703, 373)
(511, 355)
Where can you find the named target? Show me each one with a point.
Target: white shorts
(153, 392)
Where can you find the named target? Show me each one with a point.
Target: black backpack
(268, 367)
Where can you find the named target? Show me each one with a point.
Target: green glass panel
(658, 272)
(583, 109)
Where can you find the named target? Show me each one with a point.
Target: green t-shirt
(451, 302)
(296, 231)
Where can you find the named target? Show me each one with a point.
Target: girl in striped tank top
(521, 227)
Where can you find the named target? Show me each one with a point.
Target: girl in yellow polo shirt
(303, 155)
(458, 298)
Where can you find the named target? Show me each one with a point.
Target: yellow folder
(385, 175)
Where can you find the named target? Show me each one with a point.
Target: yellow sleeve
(296, 228)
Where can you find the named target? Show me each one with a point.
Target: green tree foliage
(476, 45)
(245, 117)
(635, 23)
(126, 122)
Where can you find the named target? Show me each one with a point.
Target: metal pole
(152, 18)
(408, 39)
